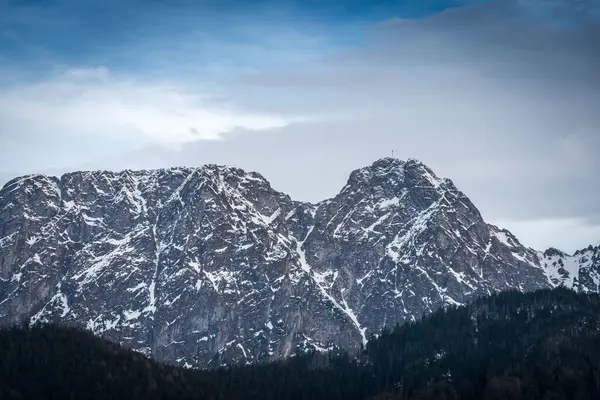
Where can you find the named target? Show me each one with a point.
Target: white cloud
(93, 101)
(100, 72)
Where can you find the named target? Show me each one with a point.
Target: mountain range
(203, 266)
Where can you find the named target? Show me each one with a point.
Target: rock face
(199, 266)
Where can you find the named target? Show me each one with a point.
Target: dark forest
(511, 345)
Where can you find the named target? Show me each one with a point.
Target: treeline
(542, 345)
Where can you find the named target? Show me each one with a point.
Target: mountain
(536, 346)
(580, 271)
(200, 266)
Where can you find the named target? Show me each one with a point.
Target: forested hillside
(539, 345)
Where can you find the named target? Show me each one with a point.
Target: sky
(503, 97)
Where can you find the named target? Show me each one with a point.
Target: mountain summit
(199, 266)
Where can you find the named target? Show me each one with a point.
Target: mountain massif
(200, 266)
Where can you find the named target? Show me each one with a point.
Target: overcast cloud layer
(501, 97)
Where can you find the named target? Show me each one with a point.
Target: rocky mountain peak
(384, 173)
(589, 249)
(395, 173)
(390, 181)
(554, 252)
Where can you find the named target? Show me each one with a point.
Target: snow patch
(395, 201)
(130, 315)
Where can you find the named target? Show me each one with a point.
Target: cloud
(99, 73)
(90, 105)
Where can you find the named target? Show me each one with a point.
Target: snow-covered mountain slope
(198, 266)
(580, 271)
